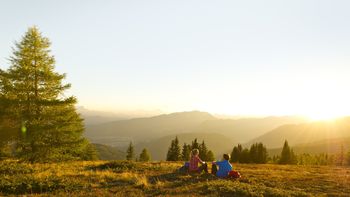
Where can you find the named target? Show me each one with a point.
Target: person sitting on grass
(195, 160)
(224, 167)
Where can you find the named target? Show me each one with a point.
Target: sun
(321, 117)
(324, 115)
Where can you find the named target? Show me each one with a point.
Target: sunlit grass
(102, 178)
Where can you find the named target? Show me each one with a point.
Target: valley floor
(119, 178)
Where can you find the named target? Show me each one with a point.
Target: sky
(249, 57)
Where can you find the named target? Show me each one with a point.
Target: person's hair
(227, 156)
(194, 152)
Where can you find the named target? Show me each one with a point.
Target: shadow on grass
(117, 166)
(185, 178)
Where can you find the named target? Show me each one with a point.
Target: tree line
(258, 154)
(175, 153)
(37, 121)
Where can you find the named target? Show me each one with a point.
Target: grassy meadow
(121, 178)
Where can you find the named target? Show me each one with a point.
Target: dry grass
(101, 178)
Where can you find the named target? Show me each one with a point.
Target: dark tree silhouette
(174, 151)
(130, 153)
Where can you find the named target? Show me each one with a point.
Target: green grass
(121, 178)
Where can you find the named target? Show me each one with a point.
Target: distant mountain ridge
(94, 117)
(144, 129)
(245, 129)
(305, 133)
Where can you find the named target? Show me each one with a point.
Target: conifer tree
(177, 150)
(174, 151)
(253, 153)
(130, 153)
(203, 151)
(245, 156)
(210, 156)
(287, 155)
(293, 157)
(186, 151)
(195, 144)
(145, 156)
(262, 153)
(236, 152)
(32, 96)
(258, 153)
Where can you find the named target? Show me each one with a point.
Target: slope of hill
(158, 148)
(245, 129)
(144, 129)
(305, 133)
(329, 146)
(109, 153)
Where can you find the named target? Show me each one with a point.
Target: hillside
(119, 133)
(245, 129)
(329, 146)
(109, 153)
(305, 133)
(158, 148)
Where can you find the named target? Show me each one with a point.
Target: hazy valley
(155, 133)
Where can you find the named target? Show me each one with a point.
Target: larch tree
(46, 123)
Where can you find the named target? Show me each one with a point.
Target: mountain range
(120, 133)
(155, 133)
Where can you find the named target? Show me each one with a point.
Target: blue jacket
(224, 168)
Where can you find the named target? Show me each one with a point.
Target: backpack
(184, 168)
(234, 174)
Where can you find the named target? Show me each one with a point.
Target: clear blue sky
(234, 57)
